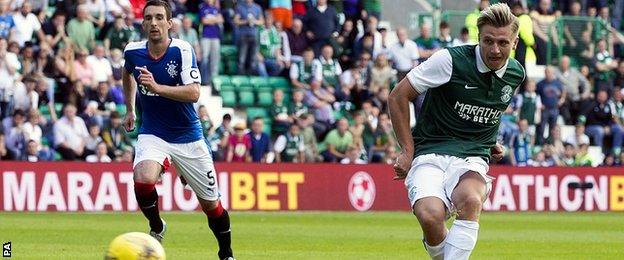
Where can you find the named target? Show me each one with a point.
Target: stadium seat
(229, 98)
(265, 98)
(279, 82)
(228, 51)
(241, 83)
(219, 82)
(246, 98)
(253, 112)
(260, 82)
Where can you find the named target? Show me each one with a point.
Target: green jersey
(464, 102)
(269, 41)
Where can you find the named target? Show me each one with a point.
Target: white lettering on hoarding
(19, 194)
(180, 200)
(543, 192)
(575, 202)
(224, 189)
(503, 194)
(107, 193)
(79, 184)
(164, 191)
(598, 194)
(51, 193)
(127, 178)
(523, 182)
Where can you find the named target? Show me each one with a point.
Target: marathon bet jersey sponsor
(464, 101)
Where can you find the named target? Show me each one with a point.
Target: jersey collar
(483, 68)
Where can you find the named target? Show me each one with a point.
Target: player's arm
(433, 72)
(129, 90)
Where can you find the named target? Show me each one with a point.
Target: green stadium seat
(228, 97)
(219, 81)
(231, 67)
(253, 112)
(59, 109)
(265, 98)
(246, 98)
(45, 111)
(279, 82)
(241, 83)
(259, 82)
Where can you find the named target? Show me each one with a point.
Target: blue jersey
(172, 121)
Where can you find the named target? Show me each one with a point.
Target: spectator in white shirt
(102, 70)
(26, 23)
(404, 54)
(26, 97)
(100, 154)
(70, 134)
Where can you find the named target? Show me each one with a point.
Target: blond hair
(498, 15)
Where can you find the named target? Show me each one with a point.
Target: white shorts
(433, 175)
(192, 161)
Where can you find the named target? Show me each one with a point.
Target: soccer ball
(135, 246)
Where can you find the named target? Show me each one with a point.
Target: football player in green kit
(445, 159)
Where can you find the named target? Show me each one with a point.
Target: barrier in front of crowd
(74, 186)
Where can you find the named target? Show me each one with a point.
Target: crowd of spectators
(63, 100)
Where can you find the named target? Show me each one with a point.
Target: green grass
(315, 235)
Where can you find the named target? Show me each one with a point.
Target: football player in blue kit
(164, 72)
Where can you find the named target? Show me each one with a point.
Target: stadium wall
(68, 186)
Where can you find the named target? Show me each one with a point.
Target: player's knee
(469, 205)
(430, 216)
(211, 208)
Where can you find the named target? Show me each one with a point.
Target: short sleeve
(190, 72)
(280, 144)
(433, 72)
(128, 64)
(294, 71)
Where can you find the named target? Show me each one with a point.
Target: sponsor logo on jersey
(477, 114)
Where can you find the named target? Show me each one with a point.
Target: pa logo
(361, 191)
(6, 249)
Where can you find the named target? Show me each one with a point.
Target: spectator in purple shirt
(210, 42)
(297, 40)
(248, 17)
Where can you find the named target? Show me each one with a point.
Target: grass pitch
(317, 235)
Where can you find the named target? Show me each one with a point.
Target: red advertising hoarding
(77, 186)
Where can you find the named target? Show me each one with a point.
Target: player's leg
(149, 162)
(219, 223)
(431, 212)
(468, 197)
(425, 187)
(146, 175)
(194, 162)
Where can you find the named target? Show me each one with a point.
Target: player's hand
(497, 152)
(128, 122)
(146, 78)
(402, 165)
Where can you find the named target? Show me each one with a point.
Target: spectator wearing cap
(404, 54)
(248, 17)
(114, 134)
(260, 141)
(210, 42)
(601, 122)
(239, 145)
(320, 24)
(70, 134)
